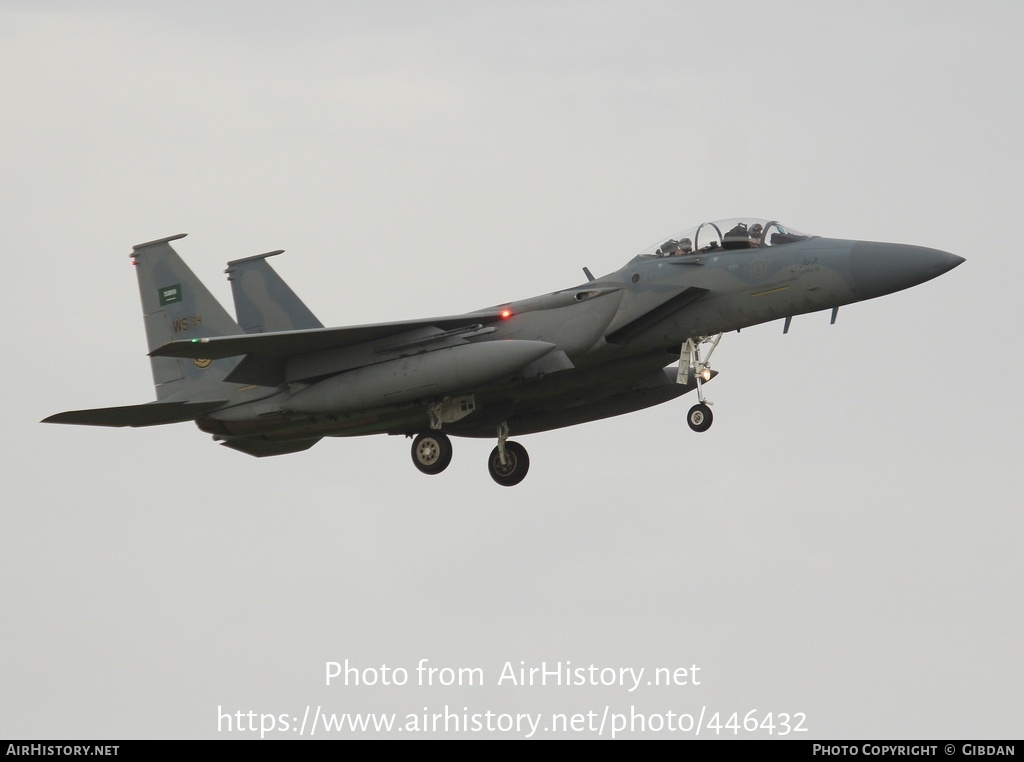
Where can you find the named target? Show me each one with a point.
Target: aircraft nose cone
(881, 268)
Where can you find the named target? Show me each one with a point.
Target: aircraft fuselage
(599, 349)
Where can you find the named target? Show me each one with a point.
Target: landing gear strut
(431, 453)
(508, 462)
(699, 418)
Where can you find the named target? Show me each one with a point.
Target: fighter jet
(276, 381)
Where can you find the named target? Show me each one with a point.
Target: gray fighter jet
(276, 381)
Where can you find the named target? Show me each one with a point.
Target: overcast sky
(844, 543)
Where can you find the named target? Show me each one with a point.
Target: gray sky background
(844, 542)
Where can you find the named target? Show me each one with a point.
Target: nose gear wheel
(699, 418)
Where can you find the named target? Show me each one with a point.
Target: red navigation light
(506, 314)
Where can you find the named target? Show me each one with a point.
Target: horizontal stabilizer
(149, 414)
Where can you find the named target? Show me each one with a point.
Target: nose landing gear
(699, 418)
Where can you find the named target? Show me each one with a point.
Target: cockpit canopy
(724, 235)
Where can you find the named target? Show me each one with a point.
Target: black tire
(431, 453)
(699, 418)
(513, 471)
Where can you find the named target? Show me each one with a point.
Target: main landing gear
(699, 418)
(431, 453)
(507, 463)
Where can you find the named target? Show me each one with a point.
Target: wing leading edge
(290, 343)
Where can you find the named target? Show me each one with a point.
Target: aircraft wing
(289, 343)
(268, 354)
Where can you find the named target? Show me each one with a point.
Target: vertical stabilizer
(175, 306)
(263, 301)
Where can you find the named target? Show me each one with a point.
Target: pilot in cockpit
(674, 248)
(740, 237)
(668, 249)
